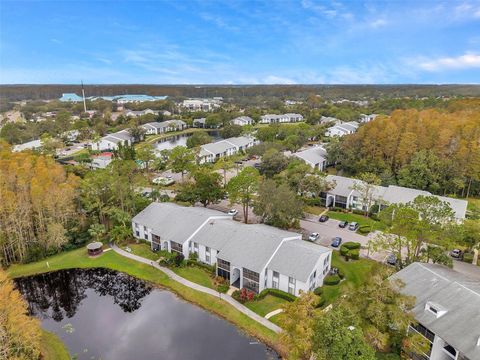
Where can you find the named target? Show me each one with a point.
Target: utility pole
(84, 102)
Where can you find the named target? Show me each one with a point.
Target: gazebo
(95, 248)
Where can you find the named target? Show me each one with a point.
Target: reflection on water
(170, 142)
(103, 314)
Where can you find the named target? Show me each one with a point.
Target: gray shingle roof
(174, 222)
(315, 155)
(297, 258)
(250, 246)
(458, 294)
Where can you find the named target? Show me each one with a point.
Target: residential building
(164, 126)
(30, 145)
(447, 309)
(329, 119)
(119, 99)
(102, 160)
(284, 118)
(199, 123)
(112, 141)
(132, 113)
(228, 147)
(367, 118)
(202, 104)
(343, 195)
(342, 129)
(316, 157)
(242, 121)
(251, 256)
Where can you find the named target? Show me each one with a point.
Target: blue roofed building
(70, 97)
(121, 99)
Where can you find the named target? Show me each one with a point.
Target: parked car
(233, 212)
(337, 241)
(392, 259)
(343, 224)
(353, 226)
(456, 253)
(314, 236)
(323, 218)
(163, 181)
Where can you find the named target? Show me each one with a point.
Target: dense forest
(354, 92)
(434, 150)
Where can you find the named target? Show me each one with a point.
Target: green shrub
(312, 201)
(278, 293)
(351, 245)
(340, 274)
(358, 212)
(468, 257)
(354, 254)
(331, 280)
(320, 302)
(344, 251)
(318, 291)
(223, 288)
(364, 229)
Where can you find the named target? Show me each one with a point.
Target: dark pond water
(170, 142)
(103, 314)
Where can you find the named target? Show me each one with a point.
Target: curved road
(192, 285)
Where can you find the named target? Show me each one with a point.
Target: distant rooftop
(119, 98)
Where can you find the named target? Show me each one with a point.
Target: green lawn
(360, 219)
(267, 304)
(277, 319)
(356, 273)
(52, 348)
(315, 210)
(195, 274)
(111, 260)
(143, 249)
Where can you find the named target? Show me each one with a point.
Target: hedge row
(351, 245)
(331, 280)
(276, 292)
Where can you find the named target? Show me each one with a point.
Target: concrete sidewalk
(192, 285)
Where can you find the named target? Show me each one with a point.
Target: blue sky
(240, 42)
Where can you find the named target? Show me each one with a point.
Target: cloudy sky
(240, 42)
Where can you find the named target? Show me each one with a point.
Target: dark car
(343, 224)
(392, 259)
(323, 218)
(337, 241)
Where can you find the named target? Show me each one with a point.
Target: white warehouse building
(251, 256)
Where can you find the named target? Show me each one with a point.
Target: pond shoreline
(77, 259)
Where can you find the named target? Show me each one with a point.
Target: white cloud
(378, 23)
(466, 61)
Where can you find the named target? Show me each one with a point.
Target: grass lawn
(360, 219)
(195, 274)
(52, 347)
(277, 319)
(356, 273)
(267, 304)
(315, 210)
(143, 250)
(111, 260)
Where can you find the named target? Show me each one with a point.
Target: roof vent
(212, 222)
(435, 309)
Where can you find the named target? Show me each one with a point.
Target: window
(251, 280)
(176, 247)
(207, 254)
(195, 248)
(432, 309)
(291, 285)
(137, 233)
(275, 280)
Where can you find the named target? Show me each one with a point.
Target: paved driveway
(329, 229)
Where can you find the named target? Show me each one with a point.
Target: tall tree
(242, 188)
(366, 187)
(298, 326)
(278, 205)
(181, 160)
(20, 334)
(146, 154)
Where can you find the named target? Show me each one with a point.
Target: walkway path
(195, 286)
(273, 313)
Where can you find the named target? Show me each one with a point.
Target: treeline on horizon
(329, 92)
